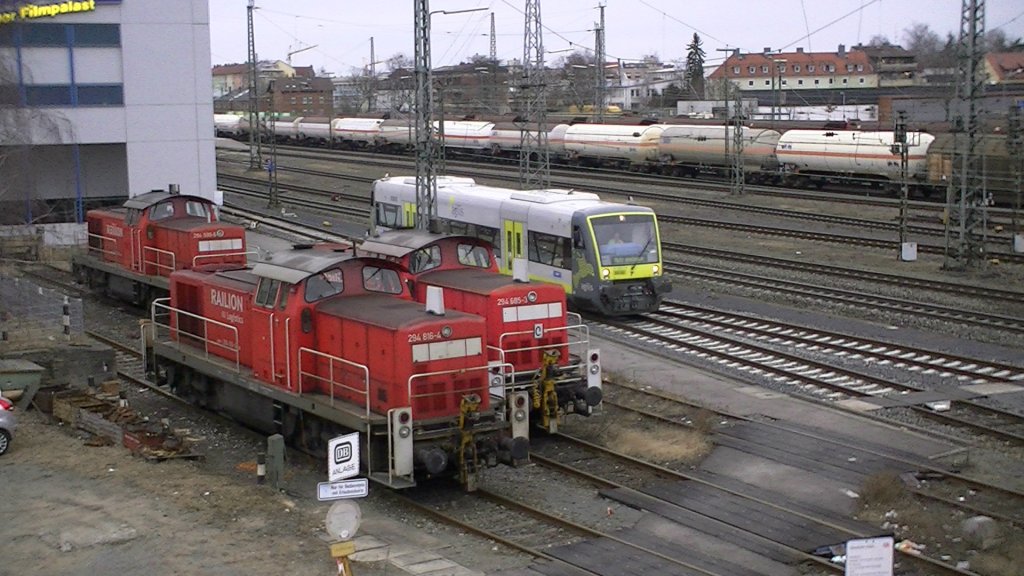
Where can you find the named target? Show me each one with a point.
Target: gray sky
(634, 28)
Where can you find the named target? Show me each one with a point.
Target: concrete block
(982, 532)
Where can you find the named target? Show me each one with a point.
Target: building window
(48, 95)
(782, 68)
(860, 67)
(861, 80)
(97, 34)
(846, 80)
(62, 35)
(831, 80)
(764, 69)
(796, 67)
(849, 67)
(785, 82)
(751, 69)
(735, 69)
(810, 67)
(816, 81)
(831, 67)
(750, 82)
(800, 82)
(101, 95)
(767, 82)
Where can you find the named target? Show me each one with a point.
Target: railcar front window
(626, 239)
(161, 211)
(474, 255)
(198, 209)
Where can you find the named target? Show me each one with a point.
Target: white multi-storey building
(104, 99)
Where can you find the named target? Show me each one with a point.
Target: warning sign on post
(869, 557)
(343, 457)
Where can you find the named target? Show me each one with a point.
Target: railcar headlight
(605, 273)
(520, 415)
(656, 269)
(404, 431)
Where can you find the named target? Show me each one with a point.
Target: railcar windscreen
(425, 259)
(324, 284)
(625, 239)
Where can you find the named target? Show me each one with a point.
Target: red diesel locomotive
(319, 342)
(134, 248)
(530, 330)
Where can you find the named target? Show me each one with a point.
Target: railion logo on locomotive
(226, 300)
(218, 233)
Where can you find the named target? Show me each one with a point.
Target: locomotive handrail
(159, 266)
(100, 248)
(246, 253)
(582, 341)
(206, 341)
(330, 379)
(486, 368)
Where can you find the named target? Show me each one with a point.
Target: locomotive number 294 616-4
(425, 337)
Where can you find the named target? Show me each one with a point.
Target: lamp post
(780, 67)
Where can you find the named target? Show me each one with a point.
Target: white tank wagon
(607, 144)
(688, 150)
(819, 156)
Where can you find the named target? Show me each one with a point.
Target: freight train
(795, 157)
(605, 256)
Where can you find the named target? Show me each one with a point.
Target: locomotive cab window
(474, 255)
(324, 284)
(266, 293)
(161, 211)
(133, 217)
(626, 239)
(425, 259)
(197, 209)
(384, 280)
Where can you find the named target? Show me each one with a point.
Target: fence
(31, 315)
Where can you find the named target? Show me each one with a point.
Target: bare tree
(398, 61)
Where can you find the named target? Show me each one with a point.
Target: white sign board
(343, 457)
(354, 488)
(869, 557)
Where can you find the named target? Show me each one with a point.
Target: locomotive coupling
(432, 459)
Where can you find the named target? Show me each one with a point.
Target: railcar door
(513, 244)
(271, 332)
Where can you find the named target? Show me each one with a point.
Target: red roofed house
(1005, 68)
(798, 70)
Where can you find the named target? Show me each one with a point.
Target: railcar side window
(382, 280)
(324, 284)
(161, 211)
(549, 250)
(425, 259)
(389, 215)
(474, 255)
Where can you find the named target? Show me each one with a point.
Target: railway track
(678, 333)
(863, 300)
(887, 243)
(933, 485)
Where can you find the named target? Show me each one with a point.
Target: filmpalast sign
(46, 10)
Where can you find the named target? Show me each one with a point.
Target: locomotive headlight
(594, 368)
(404, 431)
(605, 273)
(519, 415)
(656, 269)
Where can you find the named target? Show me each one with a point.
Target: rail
(330, 380)
(173, 317)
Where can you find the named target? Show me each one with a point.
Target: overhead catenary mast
(599, 68)
(255, 153)
(534, 167)
(426, 145)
